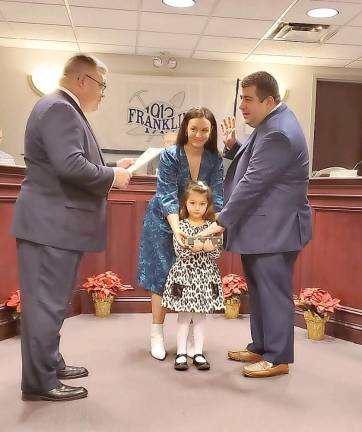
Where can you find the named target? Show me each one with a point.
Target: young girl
(193, 285)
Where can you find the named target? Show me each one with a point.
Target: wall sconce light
(44, 79)
(164, 60)
(283, 92)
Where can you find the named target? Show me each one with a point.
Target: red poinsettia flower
(14, 301)
(233, 285)
(105, 284)
(316, 300)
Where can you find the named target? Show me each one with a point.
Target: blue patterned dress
(156, 248)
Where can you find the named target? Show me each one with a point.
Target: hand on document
(125, 163)
(147, 156)
(122, 177)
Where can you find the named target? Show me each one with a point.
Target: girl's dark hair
(202, 188)
(198, 112)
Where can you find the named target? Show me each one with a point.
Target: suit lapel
(77, 107)
(245, 144)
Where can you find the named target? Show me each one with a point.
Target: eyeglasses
(102, 85)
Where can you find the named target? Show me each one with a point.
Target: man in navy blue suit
(267, 219)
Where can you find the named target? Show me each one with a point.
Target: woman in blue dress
(194, 157)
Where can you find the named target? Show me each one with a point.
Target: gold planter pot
(315, 325)
(232, 307)
(102, 306)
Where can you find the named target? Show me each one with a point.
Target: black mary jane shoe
(204, 365)
(181, 366)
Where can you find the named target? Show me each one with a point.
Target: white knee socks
(183, 326)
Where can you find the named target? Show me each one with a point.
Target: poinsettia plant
(317, 301)
(233, 286)
(14, 302)
(105, 285)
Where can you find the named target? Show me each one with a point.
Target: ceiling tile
(357, 21)
(6, 31)
(202, 7)
(298, 12)
(49, 45)
(221, 44)
(156, 51)
(45, 32)
(56, 2)
(167, 40)
(337, 51)
(251, 9)
(172, 23)
(237, 27)
(107, 4)
(104, 18)
(347, 35)
(260, 58)
(284, 48)
(34, 13)
(311, 61)
(355, 64)
(106, 36)
(210, 55)
(103, 48)
(10, 42)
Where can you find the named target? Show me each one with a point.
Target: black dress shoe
(71, 372)
(181, 366)
(203, 365)
(61, 393)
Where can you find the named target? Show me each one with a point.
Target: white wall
(17, 99)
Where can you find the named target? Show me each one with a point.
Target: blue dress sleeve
(216, 184)
(167, 182)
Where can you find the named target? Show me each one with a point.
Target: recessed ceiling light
(322, 13)
(179, 3)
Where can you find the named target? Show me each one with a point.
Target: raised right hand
(122, 177)
(228, 131)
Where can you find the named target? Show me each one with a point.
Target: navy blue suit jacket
(62, 202)
(265, 190)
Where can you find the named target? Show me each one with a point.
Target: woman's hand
(180, 237)
(228, 131)
(209, 246)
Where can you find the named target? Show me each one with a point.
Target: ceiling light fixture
(322, 13)
(179, 3)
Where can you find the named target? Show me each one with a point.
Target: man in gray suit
(60, 213)
(267, 219)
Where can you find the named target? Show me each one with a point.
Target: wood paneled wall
(332, 261)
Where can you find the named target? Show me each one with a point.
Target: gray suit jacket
(62, 202)
(265, 189)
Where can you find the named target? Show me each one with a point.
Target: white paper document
(150, 154)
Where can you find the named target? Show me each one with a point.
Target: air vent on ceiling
(300, 32)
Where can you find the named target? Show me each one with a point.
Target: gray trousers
(270, 283)
(47, 277)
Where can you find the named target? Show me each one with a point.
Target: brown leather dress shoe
(264, 369)
(72, 372)
(61, 393)
(244, 356)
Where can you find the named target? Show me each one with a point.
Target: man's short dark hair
(266, 85)
(80, 62)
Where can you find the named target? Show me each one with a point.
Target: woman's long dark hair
(202, 188)
(198, 112)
